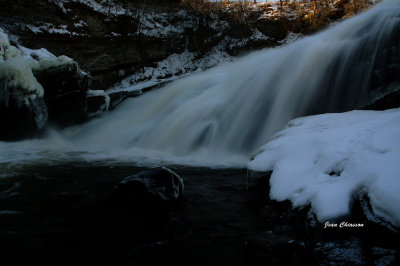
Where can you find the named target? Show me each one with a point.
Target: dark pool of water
(54, 215)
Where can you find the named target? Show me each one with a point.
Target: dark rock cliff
(113, 41)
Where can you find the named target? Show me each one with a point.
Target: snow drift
(328, 159)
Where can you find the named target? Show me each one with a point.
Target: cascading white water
(219, 117)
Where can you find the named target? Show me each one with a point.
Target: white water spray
(219, 117)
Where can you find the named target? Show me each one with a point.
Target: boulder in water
(150, 193)
(141, 203)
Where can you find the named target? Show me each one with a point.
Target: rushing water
(219, 117)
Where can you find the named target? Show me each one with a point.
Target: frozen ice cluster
(17, 64)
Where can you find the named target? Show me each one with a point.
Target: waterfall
(221, 116)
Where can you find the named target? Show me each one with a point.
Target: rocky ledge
(38, 88)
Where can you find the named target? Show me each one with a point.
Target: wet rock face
(360, 238)
(344, 242)
(65, 90)
(22, 120)
(339, 241)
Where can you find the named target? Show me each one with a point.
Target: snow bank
(327, 159)
(56, 29)
(171, 68)
(16, 65)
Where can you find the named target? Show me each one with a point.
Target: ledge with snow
(327, 160)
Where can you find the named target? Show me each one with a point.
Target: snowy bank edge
(327, 160)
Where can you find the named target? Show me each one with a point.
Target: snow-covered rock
(172, 68)
(17, 80)
(17, 65)
(34, 83)
(328, 160)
